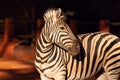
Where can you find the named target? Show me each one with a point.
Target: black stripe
(88, 52)
(80, 57)
(38, 68)
(38, 55)
(59, 65)
(40, 49)
(59, 58)
(111, 44)
(53, 55)
(77, 63)
(42, 58)
(71, 67)
(68, 59)
(96, 51)
(113, 56)
(38, 61)
(115, 68)
(102, 49)
(95, 55)
(82, 65)
(54, 63)
(100, 61)
(117, 61)
(59, 46)
(87, 34)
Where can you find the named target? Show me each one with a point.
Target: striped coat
(60, 55)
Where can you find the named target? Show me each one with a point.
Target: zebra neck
(44, 44)
(46, 47)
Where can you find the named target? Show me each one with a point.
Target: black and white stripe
(57, 56)
(98, 50)
(55, 39)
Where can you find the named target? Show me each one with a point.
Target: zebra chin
(74, 50)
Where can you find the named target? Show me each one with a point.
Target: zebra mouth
(74, 50)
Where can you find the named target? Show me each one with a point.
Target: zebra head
(59, 33)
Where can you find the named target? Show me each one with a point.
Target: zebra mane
(53, 14)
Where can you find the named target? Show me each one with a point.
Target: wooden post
(39, 27)
(104, 25)
(8, 31)
(73, 23)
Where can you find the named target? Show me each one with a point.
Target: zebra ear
(53, 15)
(56, 15)
(61, 14)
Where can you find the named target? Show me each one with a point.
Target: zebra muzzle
(74, 49)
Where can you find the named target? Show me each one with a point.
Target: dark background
(88, 12)
(84, 9)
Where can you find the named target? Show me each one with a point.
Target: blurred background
(21, 22)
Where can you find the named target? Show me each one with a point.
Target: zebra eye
(62, 28)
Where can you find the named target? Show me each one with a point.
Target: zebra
(61, 55)
(55, 39)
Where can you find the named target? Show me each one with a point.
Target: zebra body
(98, 50)
(57, 56)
